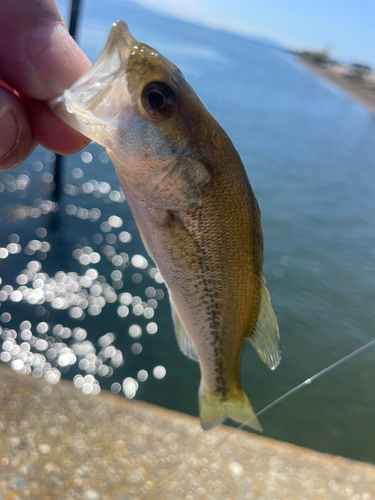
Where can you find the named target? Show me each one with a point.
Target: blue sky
(346, 27)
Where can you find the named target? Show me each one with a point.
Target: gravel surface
(56, 443)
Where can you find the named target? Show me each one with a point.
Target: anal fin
(265, 336)
(185, 344)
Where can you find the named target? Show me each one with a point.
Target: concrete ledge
(58, 444)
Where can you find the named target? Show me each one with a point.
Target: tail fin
(213, 410)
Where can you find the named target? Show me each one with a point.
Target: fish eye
(158, 99)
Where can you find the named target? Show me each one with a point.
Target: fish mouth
(90, 104)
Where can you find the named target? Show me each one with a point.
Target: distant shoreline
(351, 86)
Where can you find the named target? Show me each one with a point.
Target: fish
(194, 208)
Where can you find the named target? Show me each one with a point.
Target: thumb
(38, 57)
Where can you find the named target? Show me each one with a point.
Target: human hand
(38, 61)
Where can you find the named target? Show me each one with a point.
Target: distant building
(369, 80)
(359, 70)
(338, 68)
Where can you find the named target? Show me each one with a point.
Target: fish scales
(217, 261)
(193, 205)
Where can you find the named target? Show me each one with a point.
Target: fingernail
(9, 133)
(57, 58)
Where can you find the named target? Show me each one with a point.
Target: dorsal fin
(184, 343)
(265, 335)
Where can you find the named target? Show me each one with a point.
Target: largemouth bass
(194, 208)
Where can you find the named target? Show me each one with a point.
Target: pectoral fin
(184, 343)
(265, 335)
(144, 241)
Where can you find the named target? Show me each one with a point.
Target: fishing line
(308, 381)
(278, 400)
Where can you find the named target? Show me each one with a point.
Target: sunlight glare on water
(54, 345)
